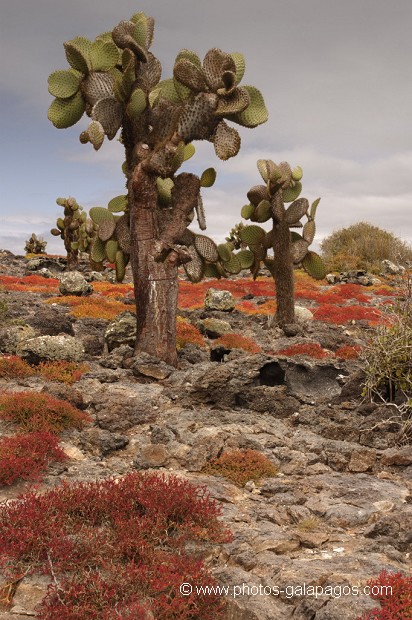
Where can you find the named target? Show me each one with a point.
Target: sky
(337, 81)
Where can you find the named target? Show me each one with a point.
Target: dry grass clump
(240, 466)
(363, 246)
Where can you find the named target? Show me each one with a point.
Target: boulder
(74, 283)
(43, 348)
(121, 331)
(219, 300)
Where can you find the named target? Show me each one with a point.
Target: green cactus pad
(64, 113)
(164, 190)
(104, 55)
(120, 263)
(240, 65)
(225, 251)
(313, 208)
(189, 55)
(123, 36)
(257, 193)
(140, 30)
(268, 240)
(208, 177)
(122, 233)
(100, 214)
(294, 236)
(256, 113)
(195, 268)
(299, 250)
(190, 75)
(263, 211)
(258, 250)
(64, 84)
(252, 235)
(234, 103)
(149, 26)
(212, 271)
(117, 204)
(233, 265)
(188, 151)
(97, 252)
(247, 211)
(60, 223)
(111, 247)
(296, 210)
(297, 173)
(263, 168)
(291, 193)
(206, 248)
(78, 54)
(226, 141)
(313, 265)
(246, 258)
(309, 231)
(136, 104)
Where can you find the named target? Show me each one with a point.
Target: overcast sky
(336, 77)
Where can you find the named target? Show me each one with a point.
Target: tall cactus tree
(115, 80)
(268, 202)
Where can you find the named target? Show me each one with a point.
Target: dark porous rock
(145, 365)
(56, 265)
(90, 332)
(161, 434)
(393, 529)
(397, 456)
(119, 409)
(352, 389)
(116, 358)
(51, 321)
(103, 442)
(65, 392)
(292, 329)
(122, 330)
(348, 607)
(151, 456)
(192, 354)
(273, 400)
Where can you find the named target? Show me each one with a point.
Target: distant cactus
(35, 245)
(116, 81)
(75, 228)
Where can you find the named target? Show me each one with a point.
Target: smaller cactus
(75, 228)
(35, 245)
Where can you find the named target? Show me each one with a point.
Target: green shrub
(363, 246)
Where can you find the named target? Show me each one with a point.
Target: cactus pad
(78, 54)
(64, 113)
(119, 203)
(189, 55)
(94, 134)
(122, 233)
(299, 250)
(200, 213)
(206, 248)
(313, 265)
(97, 86)
(246, 258)
(296, 210)
(256, 113)
(106, 229)
(136, 104)
(313, 208)
(212, 271)
(208, 177)
(104, 55)
(297, 173)
(195, 268)
(64, 84)
(197, 117)
(111, 248)
(234, 103)
(233, 265)
(190, 75)
(252, 235)
(109, 113)
(263, 211)
(291, 193)
(240, 65)
(257, 193)
(100, 215)
(226, 141)
(120, 263)
(97, 253)
(225, 251)
(164, 190)
(215, 63)
(247, 211)
(309, 231)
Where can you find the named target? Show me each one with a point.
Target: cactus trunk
(155, 283)
(283, 275)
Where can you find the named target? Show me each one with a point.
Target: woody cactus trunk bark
(115, 80)
(282, 272)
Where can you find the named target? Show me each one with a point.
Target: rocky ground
(337, 512)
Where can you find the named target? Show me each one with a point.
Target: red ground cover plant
(237, 341)
(26, 456)
(240, 466)
(268, 308)
(340, 315)
(348, 352)
(108, 289)
(311, 349)
(186, 333)
(33, 284)
(113, 545)
(192, 296)
(62, 370)
(395, 604)
(39, 412)
(13, 366)
(92, 306)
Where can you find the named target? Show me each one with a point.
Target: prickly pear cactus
(35, 245)
(75, 228)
